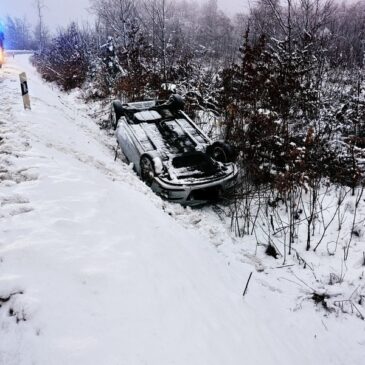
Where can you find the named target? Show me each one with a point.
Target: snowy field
(96, 269)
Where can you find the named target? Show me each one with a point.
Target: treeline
(136, 46)
(20, 34)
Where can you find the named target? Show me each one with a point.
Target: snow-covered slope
(93, 270)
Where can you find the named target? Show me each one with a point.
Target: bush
(65, 61)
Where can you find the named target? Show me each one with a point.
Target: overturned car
(170, 153)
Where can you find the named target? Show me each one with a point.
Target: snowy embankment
(93, 269)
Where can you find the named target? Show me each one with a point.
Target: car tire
(147, 169)
(176, 102)
(222, 152)
(116, 112)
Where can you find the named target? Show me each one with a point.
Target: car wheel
(115, 113)
(147, 170)
(221, 152)
(177, 102)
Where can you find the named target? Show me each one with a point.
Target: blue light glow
(1, 38)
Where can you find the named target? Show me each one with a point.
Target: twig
(280, 267)
(314, 291)
(340, 201)
(340, 304)
(248, 281)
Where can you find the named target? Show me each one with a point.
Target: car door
(127, 142)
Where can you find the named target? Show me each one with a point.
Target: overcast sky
(61, 12)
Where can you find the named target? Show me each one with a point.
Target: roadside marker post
(25, 91)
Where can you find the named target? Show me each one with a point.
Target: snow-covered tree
(65, 60)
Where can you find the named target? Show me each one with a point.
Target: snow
(158, 165)
(169, 87)
(96, 269)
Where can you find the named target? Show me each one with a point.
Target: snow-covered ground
(96, 269)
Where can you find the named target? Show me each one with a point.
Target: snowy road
(94, 271)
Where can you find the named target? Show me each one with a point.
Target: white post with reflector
(25, 91)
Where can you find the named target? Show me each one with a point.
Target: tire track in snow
(15, 308)
(14, 146)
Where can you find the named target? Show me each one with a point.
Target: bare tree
(158, 13)
(117, 17)
(41, 32)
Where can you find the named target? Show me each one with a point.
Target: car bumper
(195, 194)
